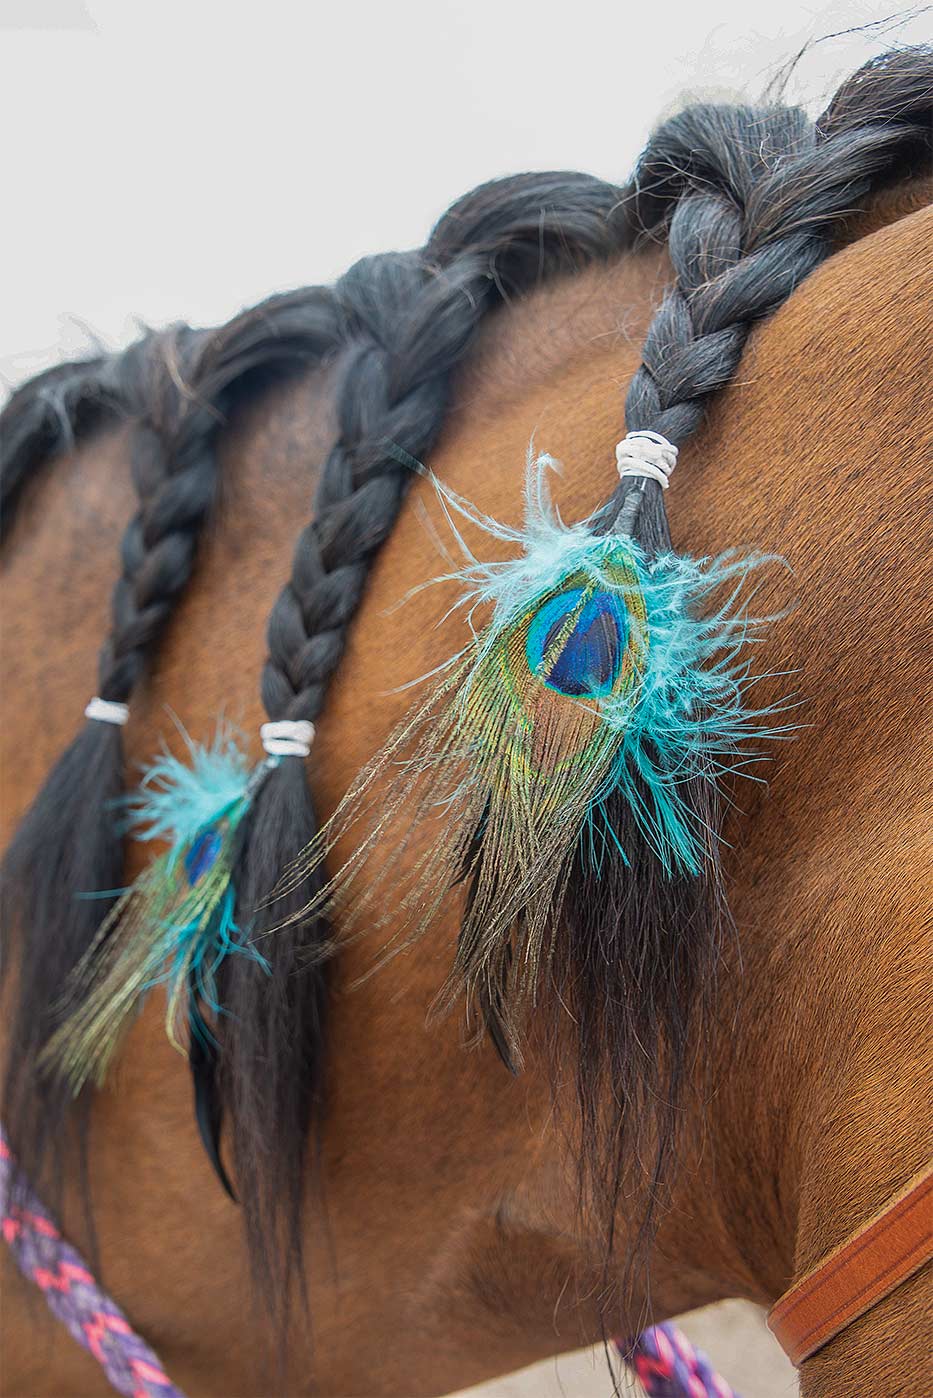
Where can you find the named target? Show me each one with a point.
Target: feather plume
(602, 673)
(176, 924)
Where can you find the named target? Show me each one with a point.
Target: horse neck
(807, 1132)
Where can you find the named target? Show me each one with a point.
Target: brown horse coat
(444, 1243)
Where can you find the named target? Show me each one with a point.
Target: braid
(43, 418)
(359, 493)
(412, 321)
(69, 844)
(176, 482)
(751, 202)
(272, 1060)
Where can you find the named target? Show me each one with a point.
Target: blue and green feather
(176, 925)
(594, 672)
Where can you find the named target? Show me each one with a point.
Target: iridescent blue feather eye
(590, 658)
(202, 854)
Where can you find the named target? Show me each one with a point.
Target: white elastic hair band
(107, 711)
(288, 737)
(646, 454)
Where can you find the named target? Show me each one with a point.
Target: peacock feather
(601, 672)
(176, 924)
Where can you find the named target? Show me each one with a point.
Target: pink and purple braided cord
(665, 1362)
(72, 1294)
(668, 1366)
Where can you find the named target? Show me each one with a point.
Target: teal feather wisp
(598, 671)
(177, 923)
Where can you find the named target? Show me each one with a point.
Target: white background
(179, 159)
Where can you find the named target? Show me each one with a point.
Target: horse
(446, 1231)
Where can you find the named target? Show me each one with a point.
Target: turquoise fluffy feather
(176, 800)
(177, 923)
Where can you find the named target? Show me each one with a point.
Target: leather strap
(859, 1273)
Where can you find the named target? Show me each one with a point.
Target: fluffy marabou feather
(602, 674)
(176, 800)
(176, 924)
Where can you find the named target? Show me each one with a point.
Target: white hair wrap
(107, 711)
(288, 737)
(646, 454)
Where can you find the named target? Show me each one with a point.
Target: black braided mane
(749, 201)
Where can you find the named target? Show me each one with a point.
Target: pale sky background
(181, 159)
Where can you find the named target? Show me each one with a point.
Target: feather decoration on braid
(605, 672)
(176, 925)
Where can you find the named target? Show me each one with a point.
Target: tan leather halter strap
(857, 1274)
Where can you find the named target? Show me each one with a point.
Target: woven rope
(663, 1359)
(667, 1366)
(72, 1294)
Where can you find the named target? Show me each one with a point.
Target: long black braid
(69, 843)
(750, 201)
(409, 319)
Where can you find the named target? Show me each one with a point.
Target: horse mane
(744, 225)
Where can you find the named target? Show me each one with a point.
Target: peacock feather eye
(563, 675)
(203, 852)
(576, 642)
